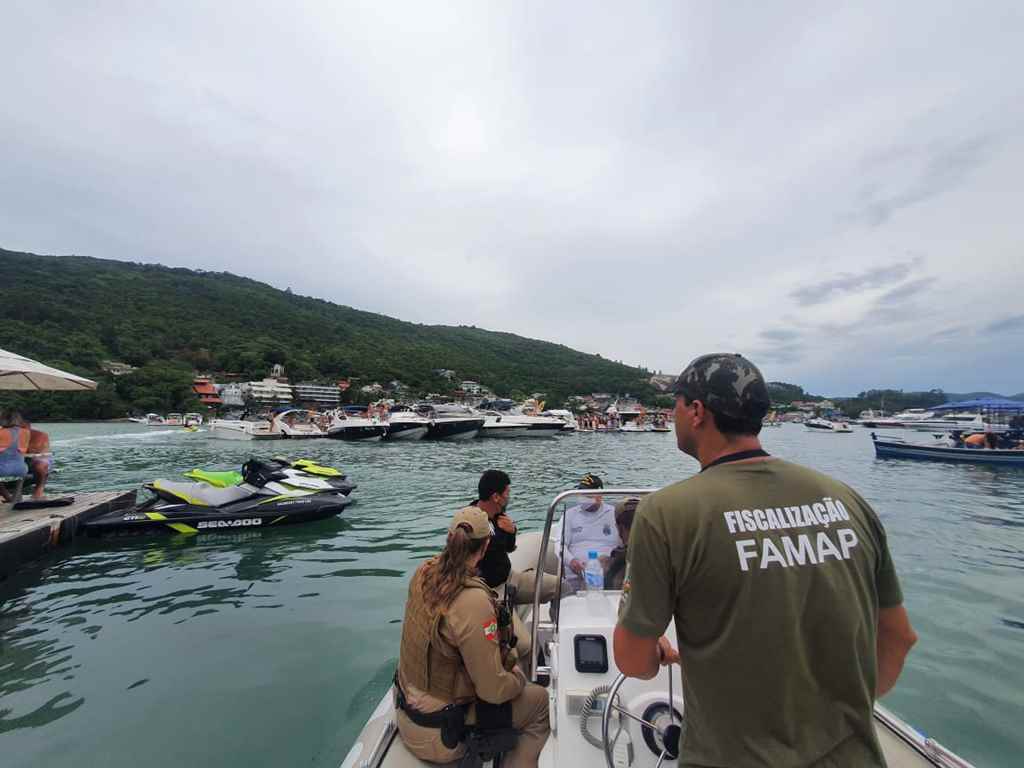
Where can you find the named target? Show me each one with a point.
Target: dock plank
(29, 533)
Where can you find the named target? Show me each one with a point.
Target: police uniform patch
(491, 630)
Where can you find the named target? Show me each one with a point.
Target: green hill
(75, 312)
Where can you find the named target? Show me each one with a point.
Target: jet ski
(301, 474)
(266, 496)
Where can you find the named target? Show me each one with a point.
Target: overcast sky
(834, 192)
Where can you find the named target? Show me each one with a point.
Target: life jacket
(426, 660)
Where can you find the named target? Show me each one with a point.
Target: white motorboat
(641, 727)
(826, 425)
(571, 425)
(345, 426)
(960, 422)
(193, 419)
(634, 426)
(172, 420)
(151, 420)
(902, 420)
(511, 424)
(296, 424)
(234, 429)
(405, 424)
(450, 422)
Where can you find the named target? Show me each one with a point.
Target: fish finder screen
(591, 653)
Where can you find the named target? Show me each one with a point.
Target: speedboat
(450, 422)
(345, 426)
(173, 420)
(295, 424)
(264, 498)
(235, 429)
(404, 424)
(193, 419)
(571, 425)
(510, 424)
(634, 425)
(151, 420)
(826, 425)
(902, 420)
(597, 715)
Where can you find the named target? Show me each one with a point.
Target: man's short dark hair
(730, 425)
(491, 482)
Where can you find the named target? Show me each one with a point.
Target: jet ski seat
(201, 494)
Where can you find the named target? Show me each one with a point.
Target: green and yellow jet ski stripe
(216, 479)
(179, 527)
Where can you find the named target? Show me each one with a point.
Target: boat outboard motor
(259, 473)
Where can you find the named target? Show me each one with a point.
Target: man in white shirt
(587, 527)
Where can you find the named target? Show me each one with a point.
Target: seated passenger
(615, 572)
(494, 490)
(974, 441)
(587, 527)
(454, 654)
(14, 440)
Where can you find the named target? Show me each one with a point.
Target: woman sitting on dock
(14, 439)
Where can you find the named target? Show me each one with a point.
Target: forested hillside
(75, 312)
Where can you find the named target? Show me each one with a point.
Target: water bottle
(594, 574)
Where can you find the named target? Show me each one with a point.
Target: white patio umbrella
(17, 372)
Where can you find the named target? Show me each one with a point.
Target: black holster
(451, 720)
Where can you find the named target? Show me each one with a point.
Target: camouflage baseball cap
(727, 384)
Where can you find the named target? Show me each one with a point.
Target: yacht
(901, 420)
(296, 424)
(571, 425)
(349, 426)
(825, 425)
(959, 422)
(450, 422)
(512, 424)
(405, 424)
(598, 716)
(236, 429)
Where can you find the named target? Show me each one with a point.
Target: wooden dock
(25, 534)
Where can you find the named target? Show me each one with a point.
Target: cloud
(902, 293)
(1014, 323)
(847, 283)
(658, 184)
(940, 169)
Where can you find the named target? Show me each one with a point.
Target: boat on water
(643, 726)
(405, 424)
(193, 419)
(268, 495)
(567, 418)
(902, 420)
(353, 425)
(295, 424)
(827, 425)
(451, 422)
(173, 420)
(150, 420)
(239, 429)
(897, 448)
(510, 424)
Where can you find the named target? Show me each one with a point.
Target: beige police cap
(476, 519)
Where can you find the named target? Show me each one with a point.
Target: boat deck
(26, 534)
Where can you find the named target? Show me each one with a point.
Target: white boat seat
(203, 494)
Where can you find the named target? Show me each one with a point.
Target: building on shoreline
(317, 395)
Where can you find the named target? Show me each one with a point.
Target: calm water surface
(271, 647)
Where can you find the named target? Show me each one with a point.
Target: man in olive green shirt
(786, 603)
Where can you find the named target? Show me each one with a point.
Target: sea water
(271, 647)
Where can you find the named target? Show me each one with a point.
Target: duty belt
(451, 719)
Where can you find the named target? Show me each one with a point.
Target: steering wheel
(662, 725)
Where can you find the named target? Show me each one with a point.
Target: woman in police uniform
(452, 654)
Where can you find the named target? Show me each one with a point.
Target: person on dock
(787, 607)
(455, 667)
(39, 458)
(587, 527)
(14, 441)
